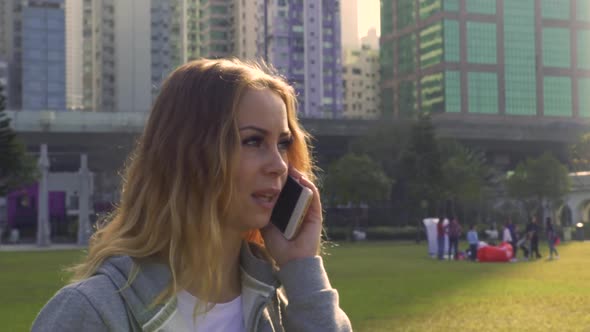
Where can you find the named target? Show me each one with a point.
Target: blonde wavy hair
(177, 184)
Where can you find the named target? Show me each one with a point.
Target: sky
(368, 16)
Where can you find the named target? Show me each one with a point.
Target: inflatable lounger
(501, 253)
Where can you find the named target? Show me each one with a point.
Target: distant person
(492, 235)
(533, 229)
(551, 239)
(506, 235)
(473, 242)
(454, 235)
(440, 237)
(190, 246)
(514, 235)
(524, 243)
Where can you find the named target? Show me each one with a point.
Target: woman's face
(263, 165)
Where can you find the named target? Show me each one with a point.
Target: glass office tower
(493, 57)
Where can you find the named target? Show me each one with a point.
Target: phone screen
(283, 209)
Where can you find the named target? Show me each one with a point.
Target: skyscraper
(43, 55)
(302, 40)
(360, 78)
(216, 28)
(11, 51)
(246, 21)
(129, 49)
(117, 55)
(74, 55)
(349, 19)
(516, 58)
(371, 39)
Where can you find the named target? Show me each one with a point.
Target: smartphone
(291, 207)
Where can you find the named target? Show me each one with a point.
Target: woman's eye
(252, 141)
(286, 143)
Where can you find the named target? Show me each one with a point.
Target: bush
(378, 233)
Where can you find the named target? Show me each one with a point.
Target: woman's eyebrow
(264, 131)
(258, 129)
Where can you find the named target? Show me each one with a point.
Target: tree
(16, 168)
(580, 153)
(421, 176)
(356, 179)
(466, 176)
(384, 144)
(539, 180)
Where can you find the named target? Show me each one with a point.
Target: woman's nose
(278, 162)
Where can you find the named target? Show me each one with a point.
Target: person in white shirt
(492, 235)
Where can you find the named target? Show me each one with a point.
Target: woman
(190, 247)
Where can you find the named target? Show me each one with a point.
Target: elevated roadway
(108, 137)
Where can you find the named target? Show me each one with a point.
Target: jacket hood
(258, 278)
(151, 279)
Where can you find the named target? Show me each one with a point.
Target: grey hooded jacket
(296, 298)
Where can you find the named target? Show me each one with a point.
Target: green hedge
(378, 233)
(381, 233)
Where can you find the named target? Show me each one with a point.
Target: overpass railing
(76, 122)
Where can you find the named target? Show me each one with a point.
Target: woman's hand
(306, 243)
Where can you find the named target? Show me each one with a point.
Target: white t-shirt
(507, 237)
(223, 317)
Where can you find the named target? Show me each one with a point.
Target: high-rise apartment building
(7, 16)
(169, 38)
(360, 79)
(74, 55)
(216, 28)
(11, 50)
(371, 39)
(246, 23)
(117, 55)
(37, 39)
(43, 55)
(517, 58)
(349, 26)
(130, 48)
(302, 40)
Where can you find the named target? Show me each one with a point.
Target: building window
(556, 9)
(481, 42)
(452, 41)
(556, 47)
(584, 97)
(483, 92)
(584, 49)
(481, 6)
(519, 60)
(557, 96)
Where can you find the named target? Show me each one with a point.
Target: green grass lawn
(396, 287)
(383, 287)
